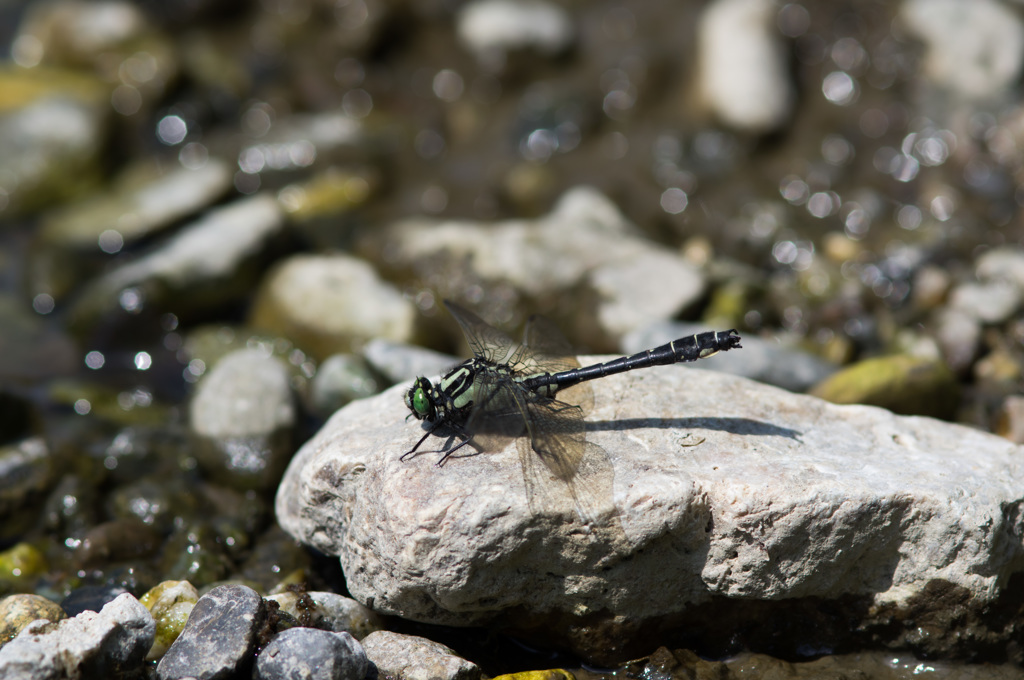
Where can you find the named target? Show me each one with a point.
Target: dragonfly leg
(413, 449)
(449, 452)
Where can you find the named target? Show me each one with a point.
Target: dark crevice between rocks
(941, 623)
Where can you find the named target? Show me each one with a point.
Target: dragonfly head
(418, 400)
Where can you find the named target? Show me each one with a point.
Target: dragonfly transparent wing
(559, 465)
(548, 351)
(497, 417)
(484, 339)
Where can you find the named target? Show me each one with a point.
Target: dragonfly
(535, 392)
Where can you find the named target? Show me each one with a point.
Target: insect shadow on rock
(535, 393)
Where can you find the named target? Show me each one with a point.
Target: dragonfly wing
(497, 418)
(556, 435)
(484, 339)
(546, 350)
(560, 466)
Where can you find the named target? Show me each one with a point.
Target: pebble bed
(221, 222)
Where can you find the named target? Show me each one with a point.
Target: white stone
(722, 487)
(743, 68)
(1002, 264)
(246, 394)
(992, 302)
(501, 25)
(209, 248)
(974, 48)
(144, 199)
(584, 243)
(337, 296)
(415, 658)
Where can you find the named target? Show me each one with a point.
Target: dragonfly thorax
(453, 395)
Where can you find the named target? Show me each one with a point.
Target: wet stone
(70, 33)
(196, 553)
(584, 247)
(26, 470)
(20, 565)
(300, 653)
(110, 643)
(398, 362)
(71, 508)
(340, 379)
(17, 611)
(111, 38)
(90, 598)
(408, 657)
(117, 540)
(648, 285)
(243, 414)
(77, 240)
(219, 638)
(930, 286)
(51, 136)
(135, 452)
(958, 334)
(155, 502)
(274, 555)
(1002, 264)
(973, 50)
(144, 199)
(209, 262)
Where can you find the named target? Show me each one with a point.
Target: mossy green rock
(901, 383)
(20, 565)
(170, 603)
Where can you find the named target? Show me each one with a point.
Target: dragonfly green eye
(418, 400)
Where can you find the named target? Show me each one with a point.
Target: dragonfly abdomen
(692, 348)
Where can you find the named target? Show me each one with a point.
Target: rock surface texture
(725, 494)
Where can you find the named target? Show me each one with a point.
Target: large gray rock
(726, 492)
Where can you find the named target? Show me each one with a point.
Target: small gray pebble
(300, 653)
